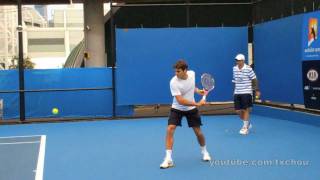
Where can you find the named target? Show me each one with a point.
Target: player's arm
(186, 102)
(255, 83)
(255, 86)
(233, 77)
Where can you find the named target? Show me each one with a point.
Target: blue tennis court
(22, 157)
(277, 148)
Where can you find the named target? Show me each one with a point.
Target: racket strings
(207, 82)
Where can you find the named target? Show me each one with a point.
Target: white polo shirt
(185, 88)
(242, 79)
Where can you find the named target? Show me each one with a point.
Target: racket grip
(204, 97)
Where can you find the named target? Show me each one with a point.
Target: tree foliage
(27, 63)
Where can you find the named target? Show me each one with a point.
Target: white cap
(240, 57)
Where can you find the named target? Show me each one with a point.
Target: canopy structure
(13, 2)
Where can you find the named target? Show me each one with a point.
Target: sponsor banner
(311, 83)
(310, 37)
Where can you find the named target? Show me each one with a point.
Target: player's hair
(181, 64)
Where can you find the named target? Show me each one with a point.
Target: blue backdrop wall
(145, 58)
(9, 81)
(86, 103)
(277, 52)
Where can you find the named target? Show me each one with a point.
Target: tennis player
(183, 87)
(245, 81)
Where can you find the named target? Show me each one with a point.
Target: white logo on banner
(312, 75)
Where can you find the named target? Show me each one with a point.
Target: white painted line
(20, 136)
(26, 142)
(40, 164)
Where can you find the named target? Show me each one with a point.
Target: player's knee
(199, 134)
(171, 128)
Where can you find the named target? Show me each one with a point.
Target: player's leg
(194, 121)
(245, 114)
(169, 137)
(202, 143)
(173, 121)
(200, 136)
(237, 105)
(246, 104)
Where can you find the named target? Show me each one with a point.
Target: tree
(27, 63)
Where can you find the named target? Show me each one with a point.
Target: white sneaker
(245, 130)
(167, 163)
(206, 157)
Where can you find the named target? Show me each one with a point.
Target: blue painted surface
(277, 57)
(84, 103)
(9, 81)
(19, 157)
(300, 117)
(145, 59)
(133, 149)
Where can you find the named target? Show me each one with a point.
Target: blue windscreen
(9, 81)
(277, 57)
(145, 59)
(75, 103)
(84, 103)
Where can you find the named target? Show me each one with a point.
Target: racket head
(207, 82)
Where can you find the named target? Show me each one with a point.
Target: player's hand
(202, 92)
(205, 92)
(258, 94)
(201, 102)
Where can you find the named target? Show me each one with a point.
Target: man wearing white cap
(245, 82)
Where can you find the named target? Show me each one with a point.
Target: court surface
(22, 157)
(134, 149)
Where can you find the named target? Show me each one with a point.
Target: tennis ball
(55, 111)
(257, 97)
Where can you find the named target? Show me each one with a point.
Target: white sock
(203, 149)
(246, 123)
(168, 154)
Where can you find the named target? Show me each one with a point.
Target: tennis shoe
(245, 129)
(206, 156)
(167, 163)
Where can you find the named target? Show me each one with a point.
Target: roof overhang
(31, 2)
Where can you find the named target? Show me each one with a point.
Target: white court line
(26, 142)
(7, 137)
(40, 164)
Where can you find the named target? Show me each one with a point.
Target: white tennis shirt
(185, 88)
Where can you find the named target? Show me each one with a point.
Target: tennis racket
(207, 82)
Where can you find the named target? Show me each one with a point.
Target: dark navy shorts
(193, 117)
(242, 101)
